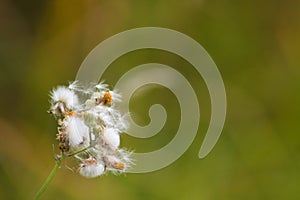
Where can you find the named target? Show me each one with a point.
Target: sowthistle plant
(89, 128)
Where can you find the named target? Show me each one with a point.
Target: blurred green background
(254, 43)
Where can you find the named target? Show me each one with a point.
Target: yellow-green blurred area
(256, 47)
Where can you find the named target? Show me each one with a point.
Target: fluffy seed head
(90, 129)
(91, 168)
(111, 138)
(110, 117)
(63, 100)
(78, 132)
(114, 163)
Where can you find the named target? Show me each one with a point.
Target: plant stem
(77, 152)
(54, 170)
(49, 178)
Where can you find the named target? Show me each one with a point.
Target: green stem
(77, 152)
(49, 178)
(54, 170)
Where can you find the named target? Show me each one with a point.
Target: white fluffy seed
(78, 133)
(91, 168)
(112, 138)
(63, 94)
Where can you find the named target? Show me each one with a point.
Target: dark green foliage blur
(255, 45)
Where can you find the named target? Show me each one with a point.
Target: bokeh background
(254, 43)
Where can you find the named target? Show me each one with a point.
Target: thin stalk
(77, 152)
(49, 178)
(54, 170)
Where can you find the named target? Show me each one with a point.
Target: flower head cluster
(89, 127)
